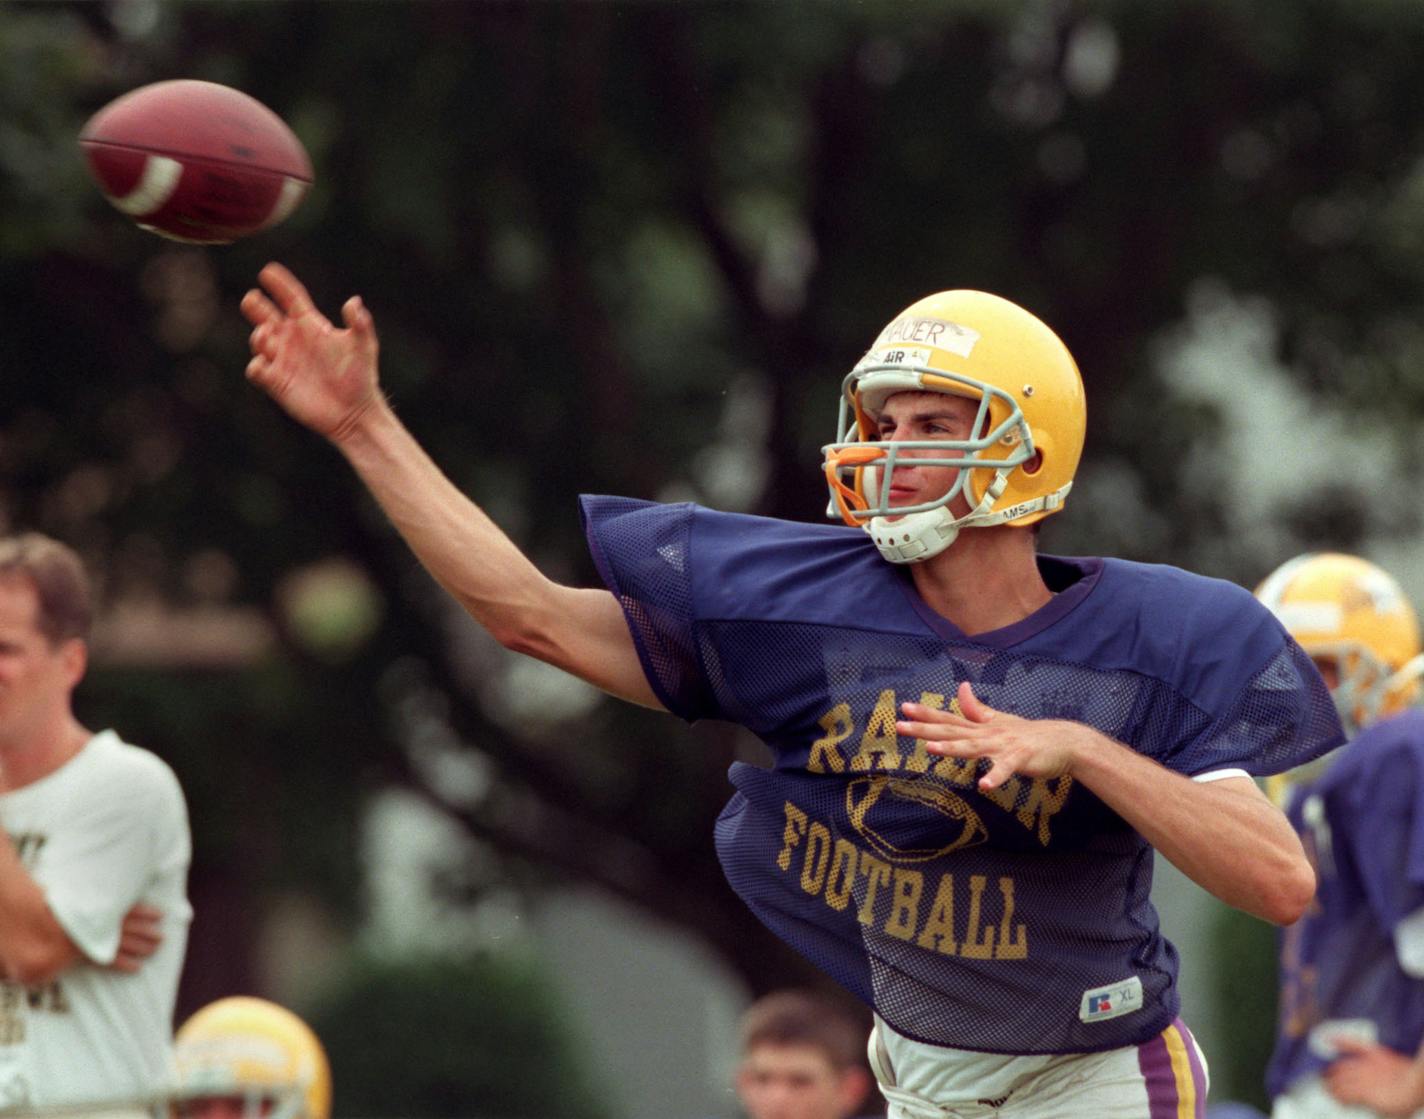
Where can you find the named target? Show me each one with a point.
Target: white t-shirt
(107, 829)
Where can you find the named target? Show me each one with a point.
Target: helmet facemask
(859, 465)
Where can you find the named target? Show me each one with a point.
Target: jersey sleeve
(1375, 814)
(1263, 707)
(643, 551)
(104, 867)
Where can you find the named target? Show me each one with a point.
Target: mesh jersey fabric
(1016, 921)
(1362, 823)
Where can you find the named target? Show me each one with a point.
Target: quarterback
(975, 748)
(1352, 969)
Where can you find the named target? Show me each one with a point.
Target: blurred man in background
(247, 1058)
(802, 1057)
(1352, 969)
(94, 860)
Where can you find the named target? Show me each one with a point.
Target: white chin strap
(916, 537)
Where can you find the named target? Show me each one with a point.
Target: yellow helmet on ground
(1352, 617)
(254, 1050)
(1018, 464)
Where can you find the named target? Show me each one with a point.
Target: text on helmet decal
(940, 333)
(894, 355)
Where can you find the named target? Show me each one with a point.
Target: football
(196, 161)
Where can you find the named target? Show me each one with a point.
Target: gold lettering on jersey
(1033, 802)
(894, 899)
(818, 853)
(842, 879)
(838, 726)
(879, 745)
(938, 933)
(796, 821)
(905, 903)
(877, 874)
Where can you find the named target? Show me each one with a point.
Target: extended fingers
(974, 709)
(922, 721)
(258, 309)
(288, 291)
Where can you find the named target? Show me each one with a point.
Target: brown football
(196, 161)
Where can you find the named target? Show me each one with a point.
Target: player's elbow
(1285, 898)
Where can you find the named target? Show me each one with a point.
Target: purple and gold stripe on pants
(1172, 1068)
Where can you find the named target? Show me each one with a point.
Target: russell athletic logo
(1112, 1001)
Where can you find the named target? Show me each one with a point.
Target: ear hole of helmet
(1034, 463)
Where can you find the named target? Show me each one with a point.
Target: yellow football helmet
(1018, 464)
(256, 1051)
(1352, 618)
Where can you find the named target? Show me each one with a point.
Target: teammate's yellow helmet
(1019, 463)
(1350, 614)
(257, 1051)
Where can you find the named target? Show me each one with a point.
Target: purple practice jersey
(1014, 921)
(1362, 823)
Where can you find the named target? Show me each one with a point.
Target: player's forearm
(1224, 835)
(579, 630)
(34, 948)
(458, 544)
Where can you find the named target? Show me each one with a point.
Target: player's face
(1329, 671)
(926, 416)
(221, 1107)
(793, 1082)
(36, 677)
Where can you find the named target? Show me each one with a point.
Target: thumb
(359, 321)
(970, 706)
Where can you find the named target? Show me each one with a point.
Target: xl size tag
(1112, 1001)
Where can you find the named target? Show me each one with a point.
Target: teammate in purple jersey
(1352, 969)
(975, 749)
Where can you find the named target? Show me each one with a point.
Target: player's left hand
(1013, 744)
(139, 937)
(1376, 1077)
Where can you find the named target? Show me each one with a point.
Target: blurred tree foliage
(488, 1045)
(633, 248)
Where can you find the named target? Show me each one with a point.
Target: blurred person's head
(45, 614)
(1355, 622)
(247, 1058)
(802, 1057)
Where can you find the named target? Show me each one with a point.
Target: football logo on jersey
(886, 813)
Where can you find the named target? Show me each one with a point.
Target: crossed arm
(34, 948)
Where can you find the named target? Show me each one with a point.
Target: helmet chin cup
(915, 537)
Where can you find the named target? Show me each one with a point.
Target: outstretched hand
(323, 376)
(1013, 744)
(1376, 1077)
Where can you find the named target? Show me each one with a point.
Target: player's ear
(854, 1086)
(74, 655)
